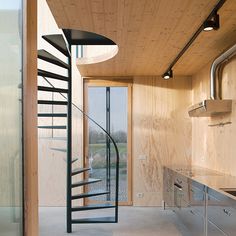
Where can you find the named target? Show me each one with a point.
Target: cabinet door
(193, 222)
(212, 230)
(197, 198)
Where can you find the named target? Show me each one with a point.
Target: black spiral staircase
(74, 168)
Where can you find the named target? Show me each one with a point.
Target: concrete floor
(133, 221)
(10, 222)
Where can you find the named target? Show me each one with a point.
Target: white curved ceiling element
(96, 54)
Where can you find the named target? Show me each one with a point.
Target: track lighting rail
(195, 35)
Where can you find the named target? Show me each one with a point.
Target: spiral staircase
(74, 167)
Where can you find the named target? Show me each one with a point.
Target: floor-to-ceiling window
(11, 220)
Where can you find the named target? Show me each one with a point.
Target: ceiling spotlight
(212, 24)
(168, 74)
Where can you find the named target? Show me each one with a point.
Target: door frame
(111, 82)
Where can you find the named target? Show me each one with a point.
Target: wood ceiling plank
(149, 33)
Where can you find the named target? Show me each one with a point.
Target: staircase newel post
(69, 145)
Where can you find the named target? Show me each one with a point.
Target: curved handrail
(109, 136)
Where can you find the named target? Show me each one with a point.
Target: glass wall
(11, 165)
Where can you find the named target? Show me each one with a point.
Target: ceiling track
(195, 35)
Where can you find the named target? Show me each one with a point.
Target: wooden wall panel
(214, 147)
(161, 132)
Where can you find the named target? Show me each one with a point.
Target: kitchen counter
(211, 178)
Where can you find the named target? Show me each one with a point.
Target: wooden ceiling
(149, 33)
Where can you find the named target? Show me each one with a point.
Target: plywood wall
(161, 133)
(214, 147)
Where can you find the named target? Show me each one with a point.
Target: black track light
(212, 23)
(168, 74)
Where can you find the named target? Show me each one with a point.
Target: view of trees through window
(98, 106)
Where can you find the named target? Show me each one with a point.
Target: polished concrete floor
(133, 221)
(10, 221)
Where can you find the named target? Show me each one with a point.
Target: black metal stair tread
(52, 75)
(57, 41)
(79, 170)
(85, 182)
(52, 127)
(52, 114)
(93, 207)
(59, 149)
(49, 102)
(46, 56)
(52, 89)
(89, 194)
(110, 219)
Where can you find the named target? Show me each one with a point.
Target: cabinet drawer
(197, 198)
(212, 230)
(181, 195)
(221, 213)
(193, 222)
(181, 183)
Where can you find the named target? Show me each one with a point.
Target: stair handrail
(109, 136)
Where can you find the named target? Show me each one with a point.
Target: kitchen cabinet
(187, 200)
(202, 210)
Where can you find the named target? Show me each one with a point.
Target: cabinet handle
(178, 186)
(192, 212)
(227, 212)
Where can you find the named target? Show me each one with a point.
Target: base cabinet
(221, 211)
(202, 210)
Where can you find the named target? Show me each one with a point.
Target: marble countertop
(211, 178)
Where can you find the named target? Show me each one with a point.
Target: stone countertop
(211, 178)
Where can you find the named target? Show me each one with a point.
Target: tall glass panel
(11, 209)
(119, 131)
(97, 138)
